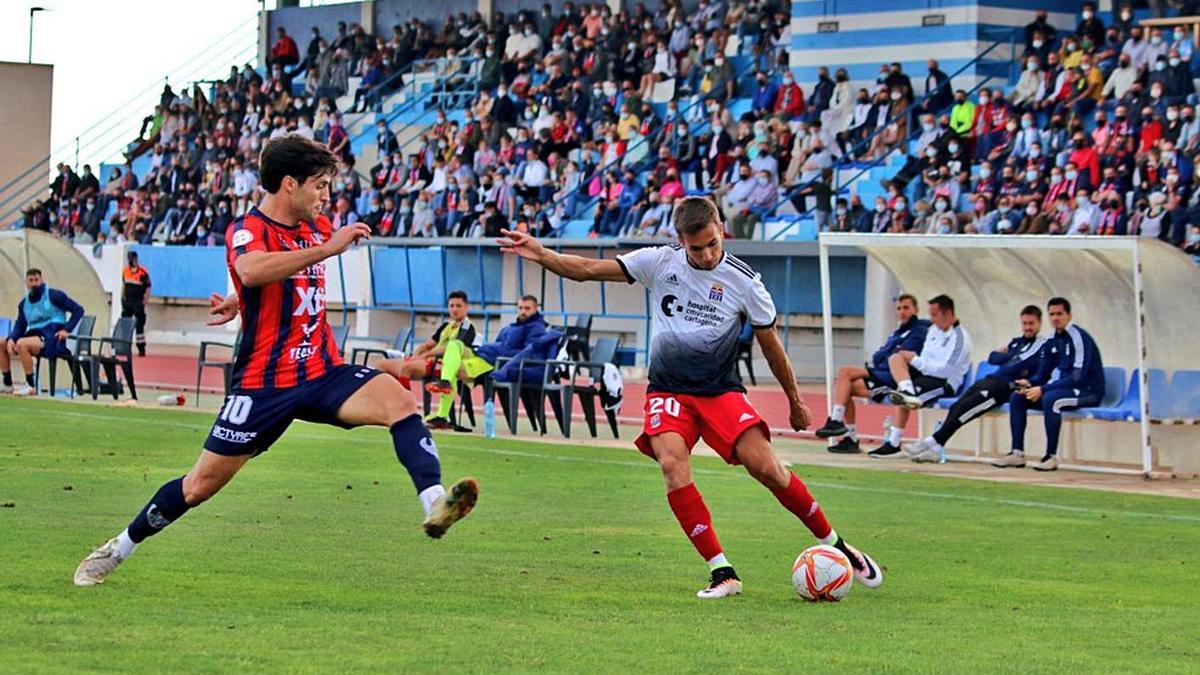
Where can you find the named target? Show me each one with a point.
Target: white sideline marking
(647, 465)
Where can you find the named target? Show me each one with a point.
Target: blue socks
(165, 507)
(416, 451)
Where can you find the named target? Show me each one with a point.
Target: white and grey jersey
(697, 317)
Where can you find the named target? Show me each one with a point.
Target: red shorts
(719, 420)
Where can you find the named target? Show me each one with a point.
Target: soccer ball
(822, 573)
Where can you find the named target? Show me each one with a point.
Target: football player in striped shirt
(289, 366)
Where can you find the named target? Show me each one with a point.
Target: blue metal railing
(111, 131)
(796, 190)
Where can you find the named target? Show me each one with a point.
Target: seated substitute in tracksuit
(1020, 359)
(938, 371)
(873, 380)
(1079, 384)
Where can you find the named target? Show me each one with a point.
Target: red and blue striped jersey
(286, 339)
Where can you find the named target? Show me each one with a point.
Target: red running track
(178, 373)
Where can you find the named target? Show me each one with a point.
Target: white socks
(716, 561)
(906, 386)
(838, 414)
(429, 496)
(125, 545)
(831, 539)
(894, 435)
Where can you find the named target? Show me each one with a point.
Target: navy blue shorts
(879, 381)
(253, 419)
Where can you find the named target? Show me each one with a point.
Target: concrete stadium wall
(25, 108)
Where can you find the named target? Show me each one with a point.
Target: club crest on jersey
(716, 292)
(242, 237)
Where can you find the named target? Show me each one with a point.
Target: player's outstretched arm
(571, 267)
(258, 268)
(768, 339)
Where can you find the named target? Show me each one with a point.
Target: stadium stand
(625, 112)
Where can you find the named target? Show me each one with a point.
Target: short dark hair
(907, 296)
(461, 295)
(531, 298)
(943, 301)
(1061, 302)
(33, 271)
(695, 213)
(1032, 310)
(296, 156)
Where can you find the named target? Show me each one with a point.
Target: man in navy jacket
(1019, 359)
(45, 318)
(518, 335)
(874, 380)
(1079, 384)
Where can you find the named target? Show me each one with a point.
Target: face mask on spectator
(1055, 178)
(1037, 44)
(953, 148)
(880, 207)
(985, 172)
(1071, 175)
(1156, 40)
(1160, 66)
(1172, 115)
(895, 96)
(1172, 178)
(1087, 15)
(1030, 175)
(900, 205)
(1083, 201)
(945, 228)
(1031, 210)
(1174, 61)
(984, 100)
(931, 152)
(1062, 208)
(940, 205)
(927, 126)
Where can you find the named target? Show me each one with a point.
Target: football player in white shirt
(700, 296)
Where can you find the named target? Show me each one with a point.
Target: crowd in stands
(1098, 136)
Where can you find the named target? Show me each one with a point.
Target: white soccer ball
(822, 574)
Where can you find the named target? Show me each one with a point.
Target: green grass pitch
(312, 560)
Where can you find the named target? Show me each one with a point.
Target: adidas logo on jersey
(672, 279)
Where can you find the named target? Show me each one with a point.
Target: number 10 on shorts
(237, 409)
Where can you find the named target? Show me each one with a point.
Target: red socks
(694, 518)
(797, 499)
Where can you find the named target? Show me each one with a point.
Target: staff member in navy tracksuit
(1080, 383)
(41, 329)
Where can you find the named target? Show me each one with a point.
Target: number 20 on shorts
(668, 405)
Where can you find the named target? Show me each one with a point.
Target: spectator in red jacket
(1084, 156)
(284, 51)
(789, 102)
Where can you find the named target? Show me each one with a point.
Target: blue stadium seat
(1183, 397)
(576, 229)
(740, 106)
(1127, 409)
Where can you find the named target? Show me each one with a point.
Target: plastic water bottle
(489, 419)
(171, 399)
(887, 426)
(941, 448)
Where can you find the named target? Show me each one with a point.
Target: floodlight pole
(1143, 376)
(32, 11)
(826, 321)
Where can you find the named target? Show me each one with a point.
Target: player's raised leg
(382, 401)
(175, 498)
(671, 451)
(753, 449)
